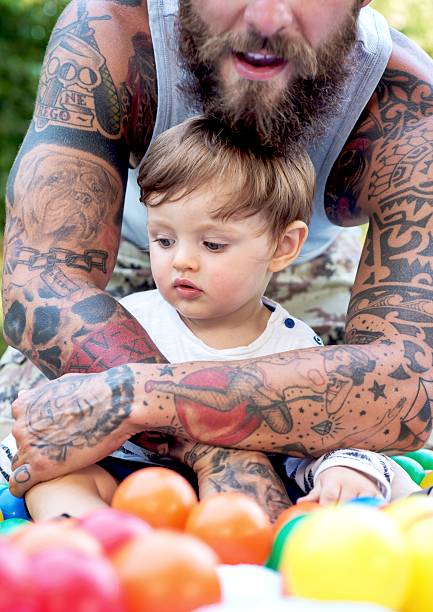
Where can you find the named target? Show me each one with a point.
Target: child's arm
(220, 470)
(343, 474)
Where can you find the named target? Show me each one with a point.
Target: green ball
(412, 467)
(280, 539)
(424, 456)
(12, 524)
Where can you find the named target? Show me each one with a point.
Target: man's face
(271, 70)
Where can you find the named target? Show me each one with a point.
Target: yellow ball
(1, 516)
(414, 517)
(410, 510)
(427, 481)
(419, 546)
(348, 553)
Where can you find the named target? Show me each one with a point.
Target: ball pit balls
(280, 540)
(427, 481)
(11, 506)
(423, 456)
(301, 508)
(234, 525)
(418, 539)
(348, 553)
(410, 510)
(159, 496)
(8, 526)
(167, 571)
(412, 467)
(374, 502)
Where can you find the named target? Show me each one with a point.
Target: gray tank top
(372, 52)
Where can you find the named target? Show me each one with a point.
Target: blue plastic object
(11, 506)
(368, 501)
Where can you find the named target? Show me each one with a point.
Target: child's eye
(165, 243)
(214, 246)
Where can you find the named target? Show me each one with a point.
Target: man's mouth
(260, 60)
(258, 66)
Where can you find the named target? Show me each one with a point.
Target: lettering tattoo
(68, 415)
(76, 89)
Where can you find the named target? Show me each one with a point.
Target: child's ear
(288, 246)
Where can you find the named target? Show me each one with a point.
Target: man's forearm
(87, 331)
(301, 403)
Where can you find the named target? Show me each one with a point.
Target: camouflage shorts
(317, 291)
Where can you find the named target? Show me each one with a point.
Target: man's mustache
(297, 52)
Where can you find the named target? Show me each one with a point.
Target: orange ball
(297, 510)
(159, 496)
(234, 525)
(167, 571)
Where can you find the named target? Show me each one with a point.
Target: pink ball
(15, 579)
(113, 528)
(66, 579)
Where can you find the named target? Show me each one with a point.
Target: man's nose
(269, 17)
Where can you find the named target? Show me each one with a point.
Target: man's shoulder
(397, 120)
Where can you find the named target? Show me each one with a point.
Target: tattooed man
(116, 73)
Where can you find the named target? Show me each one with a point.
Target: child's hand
(340, 484)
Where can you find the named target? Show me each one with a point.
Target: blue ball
(374, 502)
(11, 506)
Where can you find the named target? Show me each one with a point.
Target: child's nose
(185, 259)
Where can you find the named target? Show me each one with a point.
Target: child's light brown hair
(198, 153)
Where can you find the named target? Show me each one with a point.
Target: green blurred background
(24, 32)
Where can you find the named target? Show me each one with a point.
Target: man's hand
(69, 424)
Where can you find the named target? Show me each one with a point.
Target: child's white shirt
(178, 344)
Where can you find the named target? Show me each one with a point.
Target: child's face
(204, 267)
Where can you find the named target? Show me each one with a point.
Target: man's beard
(254, 115)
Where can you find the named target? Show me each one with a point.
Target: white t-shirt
(283, 333)
(178, 344)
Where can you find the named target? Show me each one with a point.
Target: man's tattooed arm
(377, 391)
(221, 470)
(65, 197)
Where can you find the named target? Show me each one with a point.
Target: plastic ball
(167, 571)
(414, 517)
(427, 481)
(9, 526)
(159, 496)
(234, 525)
(373, 502)
(423, 456)
(280, 539)
(11, 506)
(410, 510)
(66, 579)
(412, 467)
(349, 553)
(298, 509)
